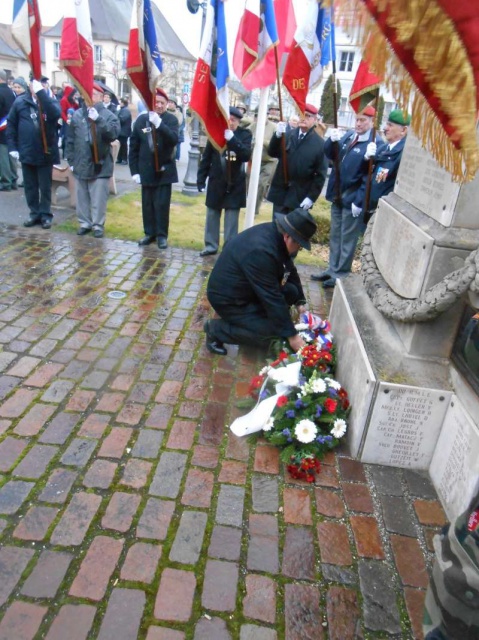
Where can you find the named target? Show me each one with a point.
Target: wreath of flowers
(309, 416)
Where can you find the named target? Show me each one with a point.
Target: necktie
(301, 136)
(356, 138)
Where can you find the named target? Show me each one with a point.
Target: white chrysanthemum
(339, 428)
(269, 424)
(305, 431)
(334, 384)
(318, 385)
(301, 326)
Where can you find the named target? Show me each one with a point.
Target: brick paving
(127, 509)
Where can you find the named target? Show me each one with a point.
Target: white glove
(355, 210)
(92, 114)
(306, 204)
(15, 155)
(228, 134)
(371, 150)
(71, 169)
(154, 118)
(37, 86)
(335, 135)
(280, 129)
(136, 178)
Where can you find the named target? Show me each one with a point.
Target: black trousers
(246, 324)
(123, 152)
(155, 206)
(37, 184)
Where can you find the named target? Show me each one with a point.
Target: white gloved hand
(37, 86)
(371, 150)
(71, 169)
(154, 118)
(306, 204)
(280, 129)
(228, 134)
(335, 135)
(93, 114)
(356, 211)
(15, 155)
(136, 178)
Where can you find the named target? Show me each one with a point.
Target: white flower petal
(305, 431)
(339, 428)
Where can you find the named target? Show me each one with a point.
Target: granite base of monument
(407, 413)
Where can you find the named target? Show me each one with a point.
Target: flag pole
(280, 104)
(257, 155)
(367, 196)
(335, 149)
(42, 124)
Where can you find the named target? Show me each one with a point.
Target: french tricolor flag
(209, 95)
(26, 29)
(144, 65)
(76, 50)
(3, 123)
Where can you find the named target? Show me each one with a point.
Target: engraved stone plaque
(404, 426)
(455, 465)
(429, 187)
(401, 249)
(353, 371)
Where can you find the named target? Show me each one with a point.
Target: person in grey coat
(92, 177)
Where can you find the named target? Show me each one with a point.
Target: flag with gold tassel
(428, 53)
(365, 87)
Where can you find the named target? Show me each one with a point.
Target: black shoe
(207, 252)
(146, 241)
(31, 222)
(321, 277)
(213, 345)
(124, 162)
(329, 283)
(98, 233)
(20, 184)
(162, 243)
(5, 188)
(82, 231)
(46, 224)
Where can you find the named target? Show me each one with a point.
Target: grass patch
(187, 221)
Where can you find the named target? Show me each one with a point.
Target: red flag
(262, 69)
(26, 29)
(364, 89)
(76, 50)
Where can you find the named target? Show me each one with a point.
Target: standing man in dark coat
(92, 178)
(226, 182)
(254, 282)
(25, 142)
(124, 116)
(161, 128)
(8, 179)
(347, 222)
(306, 165)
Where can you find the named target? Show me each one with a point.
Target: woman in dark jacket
(226, 182)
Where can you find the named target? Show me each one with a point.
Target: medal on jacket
(285, 278)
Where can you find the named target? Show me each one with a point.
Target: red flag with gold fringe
(364, 88)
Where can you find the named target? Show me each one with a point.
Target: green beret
(399, 117)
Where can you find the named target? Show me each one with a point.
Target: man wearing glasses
(306, 165)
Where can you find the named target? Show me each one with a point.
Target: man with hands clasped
(88, 150)
(156, 172)
(306, 165)
(355, 149)
(226, 182)
(26, 140)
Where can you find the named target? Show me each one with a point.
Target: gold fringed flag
(428, 52)
(365, 87)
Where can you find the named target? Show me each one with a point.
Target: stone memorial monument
(399, 322)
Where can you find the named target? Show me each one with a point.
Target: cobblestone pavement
(127, 508)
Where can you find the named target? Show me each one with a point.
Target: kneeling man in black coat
(254, 282)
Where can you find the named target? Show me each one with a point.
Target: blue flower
(299, 404)
(320, 439)
(290, 413)
(264, 394)
(319, 411)
(286, 432)
(328, 438)
(332, 392)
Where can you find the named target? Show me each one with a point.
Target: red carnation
(283, 355)
(330, 405)
(281, 401)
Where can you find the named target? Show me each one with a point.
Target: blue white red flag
(313, 48)
(264, 26)
(76, 49)
(3, 123)
(144, 64)
(209, 95)
(26, 29)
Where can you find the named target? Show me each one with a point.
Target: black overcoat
(307, 167)
(251, 269)
(141, 157)
(124, 116)
(23, 129)
(7, 98)
(226, 190)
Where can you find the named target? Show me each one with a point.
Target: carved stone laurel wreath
(432, 303)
